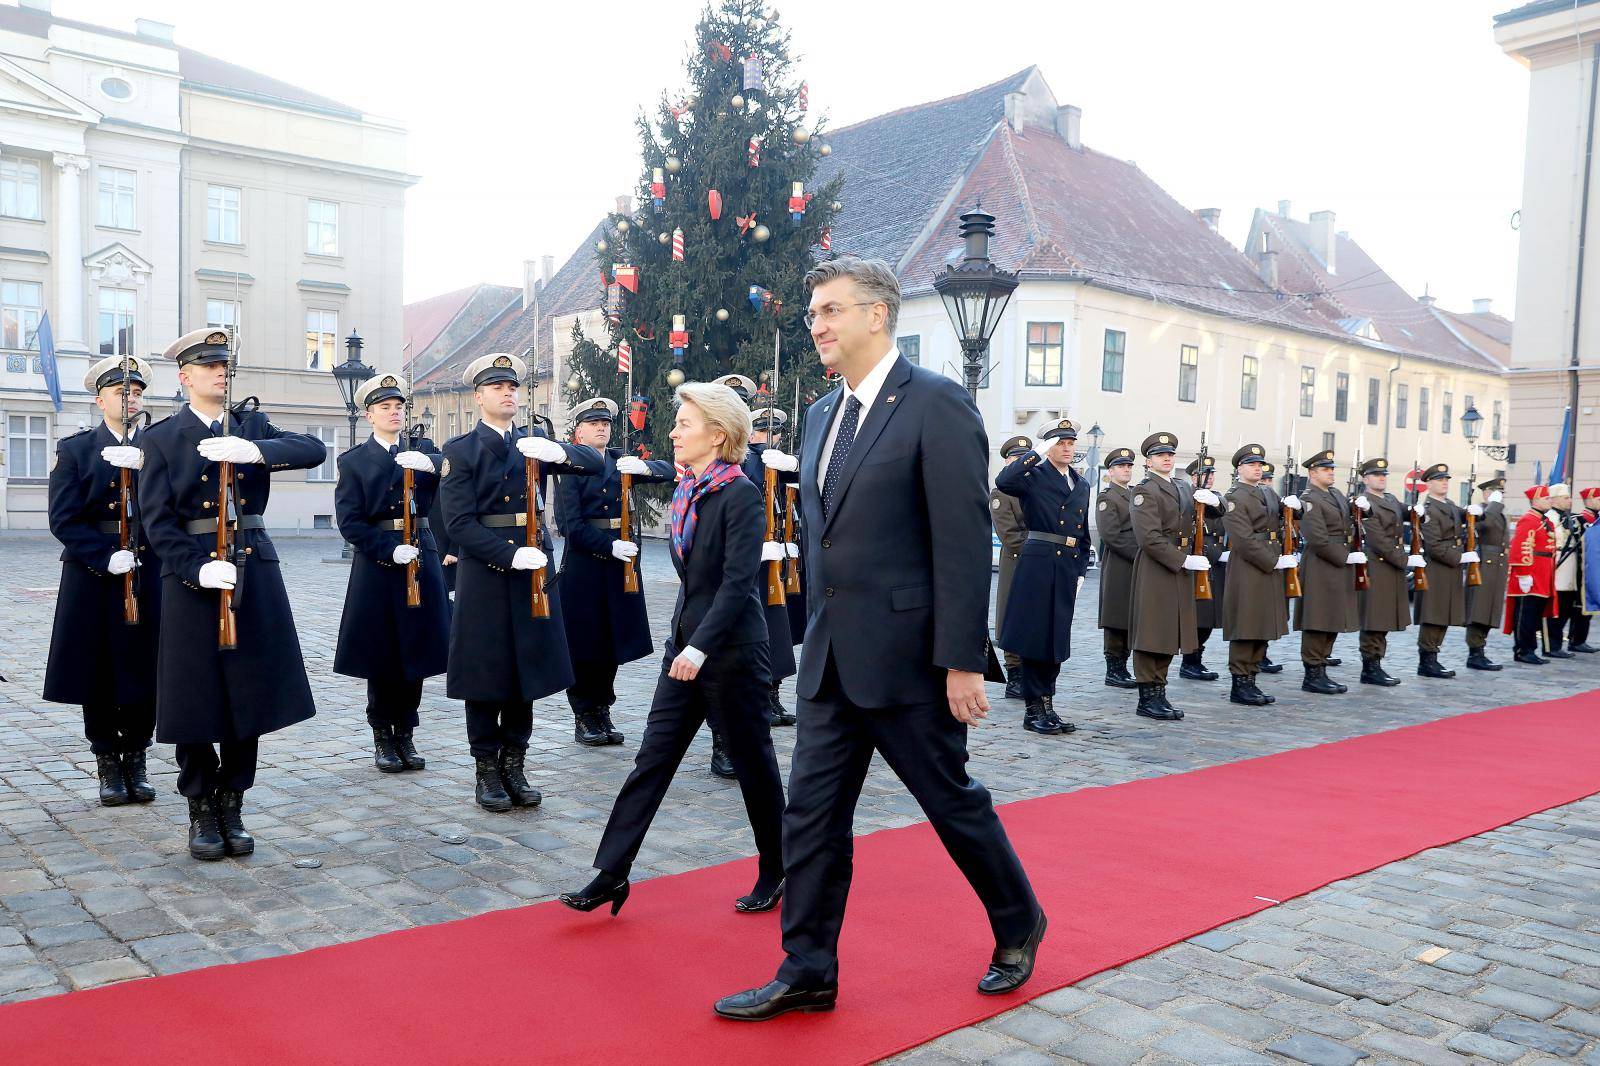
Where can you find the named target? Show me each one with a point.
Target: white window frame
(1046, 359)
(228, 313)
(21, 188)
(329, 470)
(122, 318)
(322, 227)
(1188, 372)
(910, 347)
(117, 197)
(28, 437)
(19, 321)
(320, 339)
(1250, 383)
(1308, 391)
(224, 214)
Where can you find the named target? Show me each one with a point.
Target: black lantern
(1095, 434)
(1471, 422)
(349, 375)
(975, 293)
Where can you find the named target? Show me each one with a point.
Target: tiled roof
(424, 320)
(1537, 8)
(1486, 331)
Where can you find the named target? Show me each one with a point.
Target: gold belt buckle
(1072, 542)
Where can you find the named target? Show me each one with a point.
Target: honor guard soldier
(1207, 613)
(1162, 590)
(1011, 530)
(1385, 607)
(1591, 505)
(1486, 600)
(1254, 610)
(209, 695)
(1444, 602)
(1531, 580)
(766, 422)
(1118, 547)
(108, 609)
(502, 658)
(1571, 624)
(1044, 594)
(1327, 604)
(1275, 505)
(383, 637)
(606, 625)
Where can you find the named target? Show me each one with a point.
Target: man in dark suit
(894, 497)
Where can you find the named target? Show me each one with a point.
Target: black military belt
(1541, 555)
(605, 523)
(1053, 538)
(496, 521)
(209, 525)
(1181, 542)
(397, 523)
(111, 527)
(1273, 537)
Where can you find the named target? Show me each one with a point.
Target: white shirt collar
(204, 421)
(381, 443)
(872, 384)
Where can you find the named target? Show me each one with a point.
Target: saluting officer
(1384, 605)
(1275, 505)
(101, 659)
(1118, 547)
(1486, 600)
(1011, 530)
(501, 657)
(1207, 613)
(206, 695)
(766, 422)
(1531, 580)
(606, 626)
(1444, 602)
(1162, 592)
(1327, 604)
(1044, 593)
(1254, 610)
(392, 645)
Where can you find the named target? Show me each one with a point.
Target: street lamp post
(349, 375)
(975, 293)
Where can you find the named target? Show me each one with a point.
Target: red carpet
(1122, 871)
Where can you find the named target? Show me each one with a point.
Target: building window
(1422, 410)
(1401, 395)
(1341, 397)
(1372, 401)
(222, 214)
(1308, 391)
(116, 198)
(1327, 442)
(1444, 415)
(322, 227)
(322, 333)
(27, 446)
(450, 422)
(1188, 372)
(1045, 353)
(222, 314)
(21, 304)
(329, 469)
(911, 348)
(1249, 383)
(19, 188)
(1111, 361)
(1494, 422)
(116, 321)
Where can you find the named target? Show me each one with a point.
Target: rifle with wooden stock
(1474, 571)
(1363, 581)
(125, 531)
(408, 500)
(227, 537)
(539, 601)
(1419, 574)
(1291, 575)
(1202, 578)
(775, 579)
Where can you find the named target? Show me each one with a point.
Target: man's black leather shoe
(1529, 658)
(1373, 673)
(721, 765)
(514, 777)
(1013, 682)
(1585, 647)
(588, 729)
(771, 1000)
(777, 713)
(1193, 669)
(205, 834)
(1242, 693)
(1010, 968)
(1150, 705)
(230, 817)
(1559, 653)
(113, 788)
(1270, 667)
(137, 777)
(384, 757)
(1333, 661)
(1428, 666)
(1478, 661)
(1317, 680)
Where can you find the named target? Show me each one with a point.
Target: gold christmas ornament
(573, 384)
(674, 377)
(600, 246)
(674, 164)
(826, 149)
(722, 314)
(737, 102)
(761, 234)
(801, 136)
(664, 237)
(622, 225)
(837, 206)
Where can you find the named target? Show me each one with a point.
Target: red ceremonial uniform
(1532, 554)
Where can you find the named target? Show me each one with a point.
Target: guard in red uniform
(1591, 505)
(1531, 581)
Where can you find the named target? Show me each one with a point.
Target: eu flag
(47, 360)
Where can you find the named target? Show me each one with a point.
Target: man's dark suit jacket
(897, 576)
(720, 602)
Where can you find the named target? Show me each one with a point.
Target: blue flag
(47, 360)
(1538, 472)
(1558, 472)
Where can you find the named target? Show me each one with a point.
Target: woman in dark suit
(716, 665)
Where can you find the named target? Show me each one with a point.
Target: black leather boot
(1051, 716)
(1270, 667)
(113, 789)
(230, 814)
(1034, 720)
(134, 774)
(777, 713)
(613, 736)
(1013, 682)
(1373, 673)
(1241, 692)
(515, 780)
(491, 790)
(721, 765)
(384, 757)
(1428, 665)
(407, 750)
(1317, 680)
(205, 835)
(588, 729)
(1477, 660)
(1194, 669)
(1256, 689)
(1150, 705)
(1176, 713)
(1333, 660)
(1117, 675)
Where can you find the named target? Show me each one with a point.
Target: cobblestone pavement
(91, 895)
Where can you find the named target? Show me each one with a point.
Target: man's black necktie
(394, 449)
(841, 452)
(216, 428)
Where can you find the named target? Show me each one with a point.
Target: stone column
(68, 323)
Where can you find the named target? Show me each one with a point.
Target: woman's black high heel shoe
(753, 903)
(597, 893)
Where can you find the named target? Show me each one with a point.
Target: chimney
(1323, 241)
(1480, 306)
(625, 206)
(1267, 262)
(1426, 299)
(1210, 216)
(1283, 208)
(1014, 119)
(150, 29)
(530, 282)
(1069, 123)
(40, 6)
(547, 268)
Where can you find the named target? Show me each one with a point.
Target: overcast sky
(1402, 117)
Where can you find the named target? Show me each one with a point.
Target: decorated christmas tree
(706, 275)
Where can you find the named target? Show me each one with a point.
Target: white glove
(217, 574)
(771, 551)
(121, 561)
(1361, 502)
(1476, 510)
(1421, 507)
(1416, 561)
(1196, 562)
(1526, 583)
(781, 461)
(1354, 558)
(229, 450)
(1224, 556)
(541, 450)
(1292, 501)
(123, 456)
(528, 559)
(1469, 557)
(633, 465)
(624, 549)
(1207, 497)
(414, 461)
(791, 550)
(1496, 496)
(405, 553)
(1287, 562)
